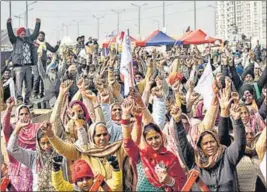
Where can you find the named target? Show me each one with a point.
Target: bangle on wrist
(171, 183)
(125, 121)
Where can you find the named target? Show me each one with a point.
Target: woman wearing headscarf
(39, 161)
(157, 168)
(215, 162)
(95, 153)
(20, 175)
(249, 162)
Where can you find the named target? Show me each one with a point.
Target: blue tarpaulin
(158, 38)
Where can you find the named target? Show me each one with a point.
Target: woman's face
(101, 137)
(45, 145)
(24, 113)
(248, 97)
(77, 111)
(248, 78)
(116, 112)
(208, 145)
(154, 139)
(159, 81)
(85, 183)
(186, 124)
(244, 115)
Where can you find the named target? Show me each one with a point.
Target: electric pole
(235, 29)
(27, 13)
(139, 16)
(163, 6)
(98, 18)
(195, 16)
(78, 26)
(118, 12)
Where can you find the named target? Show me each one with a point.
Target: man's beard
(52, 76)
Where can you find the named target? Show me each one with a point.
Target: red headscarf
(175, 76)
(150, 158)
(20, 30)
(81, 169)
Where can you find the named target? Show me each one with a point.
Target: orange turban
(175, 76)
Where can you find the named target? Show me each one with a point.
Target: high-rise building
(241, 17)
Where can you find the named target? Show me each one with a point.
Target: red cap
(175, 76)
(20, 30)
(81, 169)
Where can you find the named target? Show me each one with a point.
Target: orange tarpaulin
(197, 37)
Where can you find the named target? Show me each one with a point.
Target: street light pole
(98, 18)
(214, 18)
(10, 9)
(195, 16)
(118, 12)
(78, 26)
(27, 13)
(139, 17)
(163, 6)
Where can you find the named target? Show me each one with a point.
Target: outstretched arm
(35, 33)
(10, 32)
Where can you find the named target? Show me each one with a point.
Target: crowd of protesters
(151, 139)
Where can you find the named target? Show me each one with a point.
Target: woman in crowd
(39, 161)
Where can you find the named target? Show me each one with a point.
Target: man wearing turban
(23, 57)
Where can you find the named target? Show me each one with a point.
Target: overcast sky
(179, 15)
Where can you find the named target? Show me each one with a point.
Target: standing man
(42, 46)
(24, 55)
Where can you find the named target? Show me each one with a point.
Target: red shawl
(151, 158)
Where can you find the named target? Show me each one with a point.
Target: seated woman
(82, 175)
(39, 161)
(215, 162)
(157, 168)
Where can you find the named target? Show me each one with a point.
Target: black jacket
(221, 177)
(17, 43)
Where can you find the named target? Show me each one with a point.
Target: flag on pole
(204, 86)
(126, 66)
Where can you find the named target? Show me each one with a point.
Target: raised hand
(176, 112)
(158, 92)
(22, 123)
(90, 95)
(105, 97)
(80, 84)
(235, 111)
(10, 103)
(46, 128)
(225, 102)
(215, 88)
(138, 99)
(126, 107)
(65, 86)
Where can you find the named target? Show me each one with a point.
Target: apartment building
(234, 18)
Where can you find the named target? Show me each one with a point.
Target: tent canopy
(113, 40)
(159, 38)
(197, 37)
